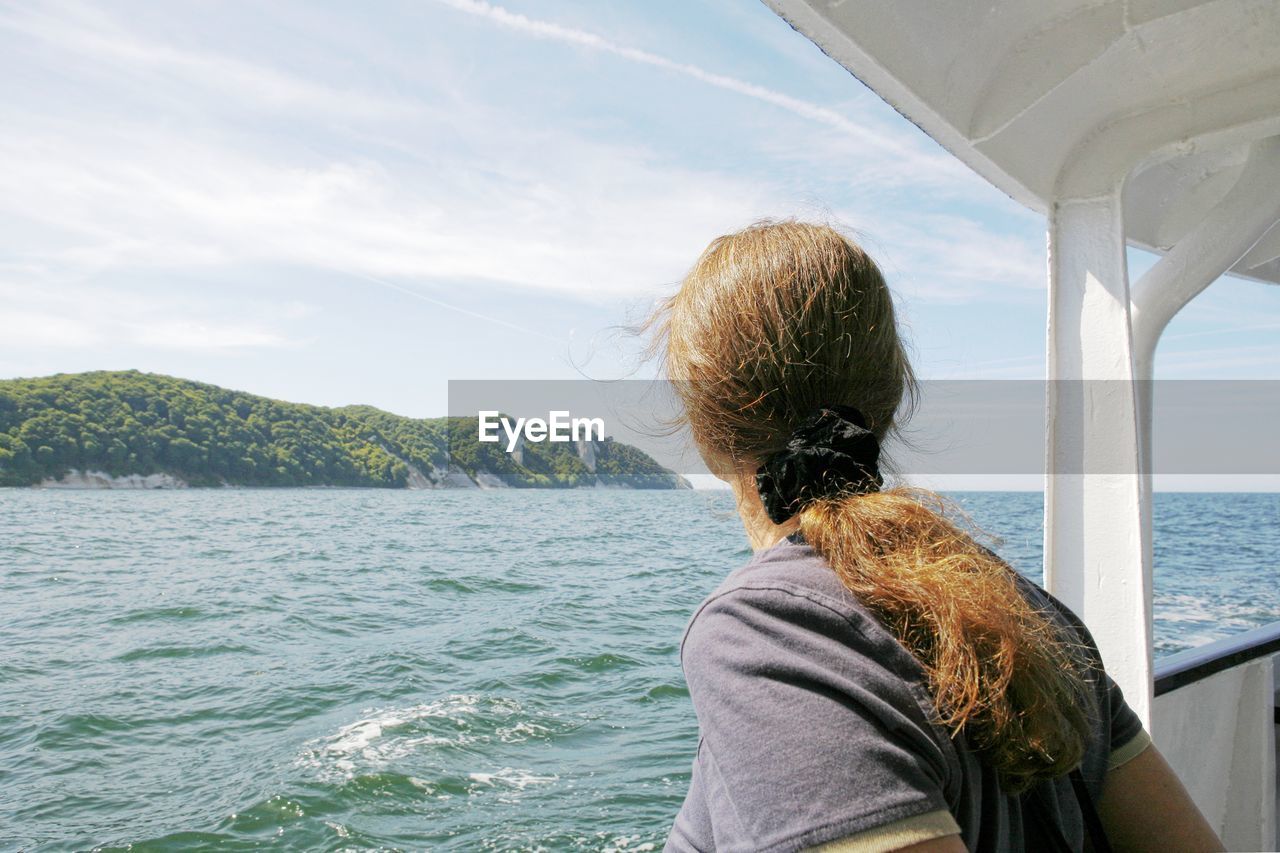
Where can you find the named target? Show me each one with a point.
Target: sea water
(362, 669)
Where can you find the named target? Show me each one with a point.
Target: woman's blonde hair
(782, 318)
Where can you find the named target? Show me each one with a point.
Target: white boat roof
(1017, 88)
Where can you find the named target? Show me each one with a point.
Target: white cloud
(1233, 330)
(958, 251)
(85, 318)
(609, 224)
(84, 35)
(1255, 361)
(407, 193)
(187, 335)
(24, 328)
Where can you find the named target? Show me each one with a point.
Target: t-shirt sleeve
(1128, 737)
(810, 731)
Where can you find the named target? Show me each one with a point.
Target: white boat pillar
(1220, 728)
(1101, 349)
(1097, 553)
(1226, 235)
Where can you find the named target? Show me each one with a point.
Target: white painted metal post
(1217, 734)
(1226, 234)
(1095, 557)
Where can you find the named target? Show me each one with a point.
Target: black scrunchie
(831, 452)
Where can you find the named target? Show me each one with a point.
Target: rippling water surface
(339, 669)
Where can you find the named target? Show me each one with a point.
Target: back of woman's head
(775, 321)
(781, 319)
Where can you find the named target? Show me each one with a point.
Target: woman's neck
(761, 532)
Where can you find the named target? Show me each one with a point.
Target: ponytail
(999, 671)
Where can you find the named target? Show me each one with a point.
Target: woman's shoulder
(811, 714)
(789, 565)
(788, 597)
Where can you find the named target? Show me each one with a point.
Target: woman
(873, 679)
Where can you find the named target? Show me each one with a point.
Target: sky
(338, 203)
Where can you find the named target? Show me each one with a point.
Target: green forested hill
(128, 422)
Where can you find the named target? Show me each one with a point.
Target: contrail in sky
(892, 147)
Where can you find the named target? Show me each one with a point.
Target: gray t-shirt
(815, 724)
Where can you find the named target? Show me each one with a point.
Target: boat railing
(1214, 718)
(1185, 667)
